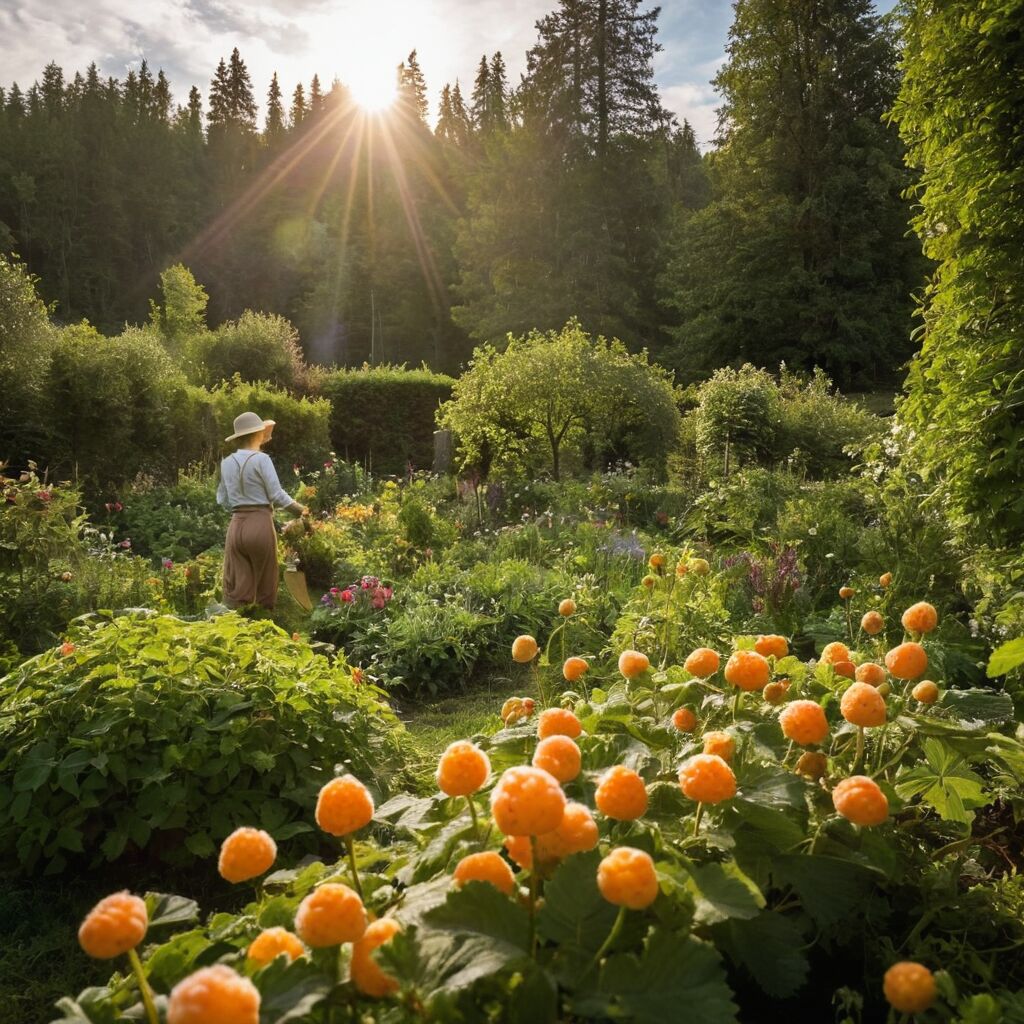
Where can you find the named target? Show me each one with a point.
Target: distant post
(442, 451)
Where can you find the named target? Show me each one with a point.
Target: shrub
(164, 736)
(183, 312)
(384, 416)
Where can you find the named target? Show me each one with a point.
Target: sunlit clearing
(372, 82)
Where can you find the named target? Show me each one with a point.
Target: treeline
(575, 193)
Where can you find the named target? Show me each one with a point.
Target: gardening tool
(295, 578)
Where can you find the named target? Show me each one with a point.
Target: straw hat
(248, 423)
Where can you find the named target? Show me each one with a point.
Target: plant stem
(144, 989)
(736, 703)
(858, 757)
(351, 847)
(533, 897)
(476, 821)
(620, 919)
(697, 817)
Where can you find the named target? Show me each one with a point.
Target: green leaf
(534, 1000)
(945, 782)
(200, 844)
(830, 889)
(36, 767)
(978, 707)
(768, 946)
(1006, 658)
(478, 909)
(575, 915)
(722, 891)
(165, 909)
(290, 990)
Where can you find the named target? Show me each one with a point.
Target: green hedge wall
(383, 416)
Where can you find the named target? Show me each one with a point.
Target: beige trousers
(250, 558)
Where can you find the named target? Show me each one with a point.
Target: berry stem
(144, 989)
(697, 817)
(620, 919)
(533, 897)
(351, 847)
(736, 703)
(858, 757)
(476, 820)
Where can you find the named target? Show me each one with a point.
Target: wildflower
(44, 496)
(66, 649)
(167, 563)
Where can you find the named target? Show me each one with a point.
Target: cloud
(696, 102)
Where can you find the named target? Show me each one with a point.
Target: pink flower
(118, 507)
(126, 543)
(168, 564)
(378, 602)
(43, 495)
(347, 596)
(335, 590)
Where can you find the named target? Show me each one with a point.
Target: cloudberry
(747, 670)
(872, 623)
(649, 581)
(920, 618)
(835, 651)
(343, 806)
(567, 607)
(246, 853)
(330, 915)
(527, 802)
(772, 645)
(574, 668)
(707, 779)
(485, 867)
(559, 756)
(657, 560)
(845, 593)
(214, 995)
(367, 975)
(463, 769)
(804, 722)
(702, 662)
(909, 987)
(558, 722)
(576, 834)
(863, 705)
(271, 943)
(524, 649)
(633, 664)
(700, 566)
(719, 743)
(684, 719)
(926, 692)
(626, 877)
(812, 764)
(871, 673)
(860, 800)
(908, 661)
(621, 794)
(116, 924)
(885, 579)
(846, 669)
(775, 693)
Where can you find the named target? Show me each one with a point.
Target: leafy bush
(151, 734)
(384, 416)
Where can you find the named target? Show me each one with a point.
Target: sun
(372, 81)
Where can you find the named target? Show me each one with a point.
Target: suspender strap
(241, 474)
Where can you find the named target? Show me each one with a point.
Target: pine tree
(498, 93)
(480, 101)
(298, 111)
(460, 115)
(412, 88)
(52, 90)
(219, 102)
(241, 102)
(162, 98)
(316, 97)
(275, 110)
(194, 112)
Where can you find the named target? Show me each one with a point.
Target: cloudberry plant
(330, 915)
(560, 756)
(558, 722)
(885, 579)
(775, 693)
(621, 794)
(872, 623)
(684, 719)
(847, 669)
(907, 661)
(272, 943)
(626, 878)
(486, 867)
(245, 854)
(574, 668)
(367, 975)
(860, 800)
(926, 692)
(214, 994)
(772, 645)
(909, 987)
(524, 649)
(920, 618)
(700, 566)
(462, 769)
(527, 802)
(863, 705)
(719, 743)
(633, 664)
(576, 834)
(657, 560)
(747, 670)
(804, 722)
(871, 673)
(115, 925)
(835, 651)
(707, 778)
(702, 662)
(845, 593)
(344, 806)
(567, 607)
(812, 764)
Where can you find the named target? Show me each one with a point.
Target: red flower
(347, 596)
(43, 495)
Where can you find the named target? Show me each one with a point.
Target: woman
(250, 488)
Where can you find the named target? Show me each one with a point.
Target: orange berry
(657, 560)
(845, 668)
(870, 673)
(559, 756)
(707, 779)
(926, 692)
(67, 649)
(682, 569)
(747, 670)
(684, 719)
(343, 806)
(920, 618)
(520, 850)
(909, 987)
(574, 668)
(702, 662)
(486, 867)
(846, 593)
(246, 853)
(860, 800)
(527, 802)
(649, 581)
(633, 664)
(621, 794)
(804, 722)
(872, 623)
(116, 924)
(558, 722)
(835, 651)
(885, 579)
(772, 645)
(576, 834)
(567, 607)
(775, 693)
(271, 943)
(330, 915)
(463, 769)
(812, 764)
(700, 566)
(863, 705)
(214, 995)
(626, 877)
(721, 744)
(524, 649)
(908, 661)
(367, 975)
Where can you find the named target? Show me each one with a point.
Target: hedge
(384, 416)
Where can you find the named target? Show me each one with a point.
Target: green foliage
(182, 314)
(383, 416)
(738, 417)
(157, 735)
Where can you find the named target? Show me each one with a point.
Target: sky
(359, 41)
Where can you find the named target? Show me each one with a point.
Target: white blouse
(249, 478)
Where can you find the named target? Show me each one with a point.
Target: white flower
(813, 532)
(830, 555)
